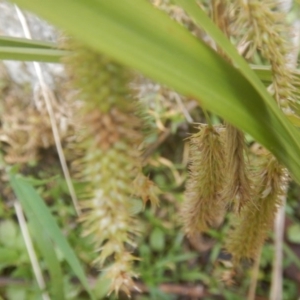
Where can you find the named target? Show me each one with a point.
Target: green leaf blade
(33, 202)
(45, 246)
(31, 54)
(8, 41)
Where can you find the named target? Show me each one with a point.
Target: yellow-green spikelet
(109, 139)
(101, 82)
(256, 218)
(238, 186)
(264, 28)
(203, 207)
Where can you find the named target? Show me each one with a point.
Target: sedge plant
(223, 174)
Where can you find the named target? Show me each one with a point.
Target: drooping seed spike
(203, 207)
(237, 187)
(251, 227)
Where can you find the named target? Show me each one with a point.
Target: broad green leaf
(7, 41)
(32, 54)
(30, 200)
(146, 39)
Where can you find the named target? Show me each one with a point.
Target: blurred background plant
(148, 255)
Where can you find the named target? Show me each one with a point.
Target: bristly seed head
(109, 140)
(203, 207)
(252, 225)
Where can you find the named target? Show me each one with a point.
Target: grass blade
(46, 248)
(40, 212)
(7, 41)
(31, 252)
(32, 54)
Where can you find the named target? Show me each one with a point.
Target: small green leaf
(37, 182)
(295, 120)
(101, 288)
(16, 293)
(8, 232)
(293, 233)
(136, 206)
(157, 239)
(8, 256)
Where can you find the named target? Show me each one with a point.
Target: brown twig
(193, 292)
(4, 281)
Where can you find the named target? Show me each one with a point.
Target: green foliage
(38, 212)
(139, 36)
(147, 40)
